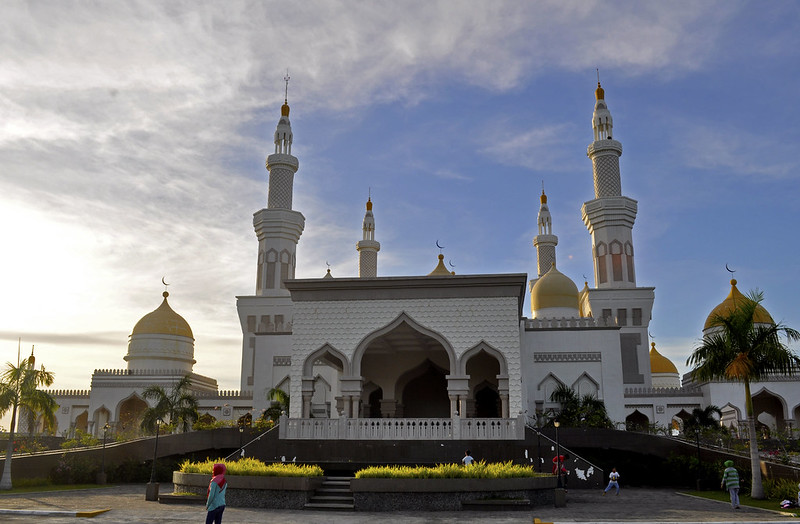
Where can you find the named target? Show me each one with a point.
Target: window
(637, 316)
(622, 317)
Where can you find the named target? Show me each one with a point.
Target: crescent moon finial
(328, 264)
(163, 280)
(439, 245)
(451, 263)
(731, 271)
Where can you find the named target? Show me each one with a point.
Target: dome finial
(599, 94)
(543, 198)
(285, 106)
(369, 199)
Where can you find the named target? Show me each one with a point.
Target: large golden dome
(163, 321)
(659, 363)
(554, 289)
(735, 298)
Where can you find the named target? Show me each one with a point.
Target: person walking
(215, 504)
(467, 460)
(730, 481)
(613, 481)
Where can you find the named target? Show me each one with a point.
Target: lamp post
(697, 443)
(152, 486)
(558, 456)
(101, 477)
(241, 434)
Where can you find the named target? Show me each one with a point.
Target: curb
(53, 513)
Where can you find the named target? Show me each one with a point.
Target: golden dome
(599, 94)
(554, 289)
(543, 198)
(735, 298)
(659, 363)
(285, 109)
(163, 321)
(369, 204)
(440, 270)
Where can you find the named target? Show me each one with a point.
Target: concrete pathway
(127, 505)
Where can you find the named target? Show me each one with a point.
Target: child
(467, 460)
(613, 481)
(216, 495)
(730, 480)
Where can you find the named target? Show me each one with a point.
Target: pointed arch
(586, 385)
(769, 408)
(129, 413)
(549, 379)
(428, 397)
(489, 350)
(329, 355)
(403, 317)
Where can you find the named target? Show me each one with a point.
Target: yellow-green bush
(476, 470)
(251, 466)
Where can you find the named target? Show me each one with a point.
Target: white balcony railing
(403, 428)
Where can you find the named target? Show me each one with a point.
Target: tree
(177, 407)
(575, 411)
(702, 419)
(279, 404)
(19, 390)
(738, 348)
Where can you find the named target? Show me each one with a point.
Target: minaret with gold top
(368, 247)
(545, 242)
(610, 216)
(278, 227)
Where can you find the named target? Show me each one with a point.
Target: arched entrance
(409, 365)
(323, 371)
(130, 416)
(487, 401)
(769, 411)
(637, 421)
(483, 370)
(82, 422)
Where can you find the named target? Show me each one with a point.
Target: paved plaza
(127, 505)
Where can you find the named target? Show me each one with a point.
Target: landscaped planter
(253, 491)
(379, 494)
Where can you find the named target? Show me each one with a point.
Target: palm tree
(703, 419)
(738, 348)
(279, 404)
(177, 407)
(19, 390)
(575, 411)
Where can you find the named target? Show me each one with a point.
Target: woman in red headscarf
(216, 495)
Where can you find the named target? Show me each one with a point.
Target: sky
(133, 137)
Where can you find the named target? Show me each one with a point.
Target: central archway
(410, 365)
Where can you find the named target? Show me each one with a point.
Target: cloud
(548, 148)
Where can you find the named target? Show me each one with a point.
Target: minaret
(545, 242)
(278, 228)
(610, 216)
(368, 247)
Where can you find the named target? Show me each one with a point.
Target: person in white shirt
(613, 481)
(467, 460)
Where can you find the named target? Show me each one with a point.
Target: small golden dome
(543, 198)
(735, 298)
(163, 321)
(554, 289)
(285, 109)
(599, 94)
(659, 363)
(328, 274)
(369, 204)
(440, 270)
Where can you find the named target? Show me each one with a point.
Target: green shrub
(31, 483)
(81, 439)
(476, 470)
(74, 469)
(251, 466)
(780, 489)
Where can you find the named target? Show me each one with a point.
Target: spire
(545, 242)
(283, 133)
(368, 247)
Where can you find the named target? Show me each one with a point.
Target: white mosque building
(363, 356)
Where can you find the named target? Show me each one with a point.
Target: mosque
(438, 355)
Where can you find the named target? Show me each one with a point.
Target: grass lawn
(744, 500)
(51, 487)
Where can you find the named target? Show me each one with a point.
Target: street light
(558, 456)
(101, 478)
(697, 443)
(152, 486)
(241, 433)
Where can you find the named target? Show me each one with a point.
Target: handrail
(241, 449)
(562, 446)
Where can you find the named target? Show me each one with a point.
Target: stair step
(342, 500)
(333, 490)
(330, 507)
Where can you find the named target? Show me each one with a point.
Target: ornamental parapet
(604, 146)
(569, 323)
(225, 395)
(278, 159)
(663, 392)
(81, 393)
(139, 372)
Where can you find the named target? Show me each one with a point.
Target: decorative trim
(593, 356)
(281, 361)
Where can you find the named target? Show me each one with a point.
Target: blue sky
(133, 139)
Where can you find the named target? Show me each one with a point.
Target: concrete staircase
(333, 495)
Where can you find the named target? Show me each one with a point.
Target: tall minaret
(278, 228)
(545, 242)
(610, 216)
(368, 247)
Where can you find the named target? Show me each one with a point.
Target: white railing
(403, 428)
